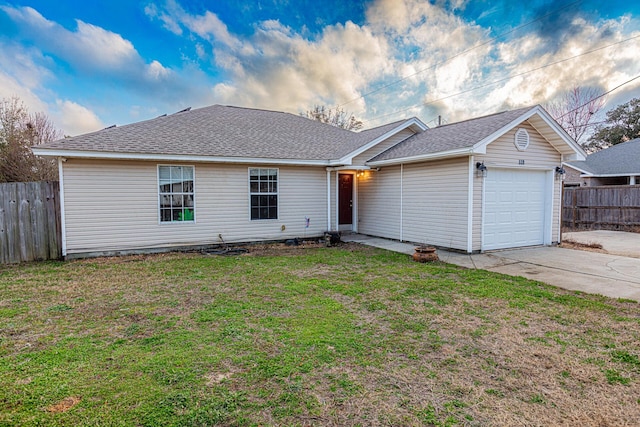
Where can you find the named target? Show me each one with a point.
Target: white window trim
(277, 194)
(195, 208)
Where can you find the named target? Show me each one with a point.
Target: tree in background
(622, 124)
(575, 110)
(19, 131)
(338, 117)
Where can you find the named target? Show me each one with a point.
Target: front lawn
(317, 336)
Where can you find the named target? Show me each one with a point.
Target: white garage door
(514, 208)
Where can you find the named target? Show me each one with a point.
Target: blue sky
(93, 64)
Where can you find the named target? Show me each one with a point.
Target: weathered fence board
(29, 221)
(613, 207)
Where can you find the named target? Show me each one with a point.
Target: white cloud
(22, 75)
(170, 24)
(155, 71)
(75, 119)
(89, 48)
(100, 47)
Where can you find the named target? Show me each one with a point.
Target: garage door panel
(514, 208)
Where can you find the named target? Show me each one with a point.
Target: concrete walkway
(614, 276)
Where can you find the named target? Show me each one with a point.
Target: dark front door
(345, 199)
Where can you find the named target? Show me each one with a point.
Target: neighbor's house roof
(222, 132)
(619, 160)
(473, 136)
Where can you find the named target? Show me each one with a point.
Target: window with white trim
(263, 192)
(175, 193)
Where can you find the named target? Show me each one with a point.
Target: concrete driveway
(615, 276)
(614, 242)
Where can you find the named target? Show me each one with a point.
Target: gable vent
(522, 139)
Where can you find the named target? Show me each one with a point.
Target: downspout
(401, 191)
(470, 207)
(63, 223)
(561, 204)
(328, 200)
(337, 201)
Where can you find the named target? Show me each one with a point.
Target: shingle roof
(449, 137)
(224, 131)
(622, 159)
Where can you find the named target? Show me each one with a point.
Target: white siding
(435, 200)
(502, 153)
(113, 205)
(557, 211)
(360, 159)
(332, 201)
(379, 203)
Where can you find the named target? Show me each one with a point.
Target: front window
(263, 190)
(175, 185)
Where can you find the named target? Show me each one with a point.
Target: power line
(505, 78)
(458, 54)
(597, 97)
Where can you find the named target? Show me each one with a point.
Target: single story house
(221, 173)
(616, 165)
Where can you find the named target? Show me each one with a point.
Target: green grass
(320, 336)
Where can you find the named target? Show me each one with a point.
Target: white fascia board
(425, 157)
(172, 157)
(584, 172)
(610, 175)
(573, 156)
(350, 168)
(413, 122)
(577, 148)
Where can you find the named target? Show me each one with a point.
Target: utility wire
(458, 54)
(505, 78)
(597, 97)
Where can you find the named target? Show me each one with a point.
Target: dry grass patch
(64, 405)
(589, 246)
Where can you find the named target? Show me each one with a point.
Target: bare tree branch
(338, 117)
(575, 110)
(19, 131)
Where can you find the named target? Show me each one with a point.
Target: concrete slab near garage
(610, 275)
(614, 242)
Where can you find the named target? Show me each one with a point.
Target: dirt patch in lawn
(65, 404)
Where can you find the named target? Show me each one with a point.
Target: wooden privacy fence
(29, 221)
(613, 207)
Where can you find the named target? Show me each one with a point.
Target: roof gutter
(608, 175)
(173, 157)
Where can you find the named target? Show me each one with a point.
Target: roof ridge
(388, 124)
(484, 117)
(248, 108)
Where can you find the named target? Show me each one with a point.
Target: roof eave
(80, 154)
(583, 171)
(609, 175)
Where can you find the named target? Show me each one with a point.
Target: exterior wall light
(560, 173)
(481, 170)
